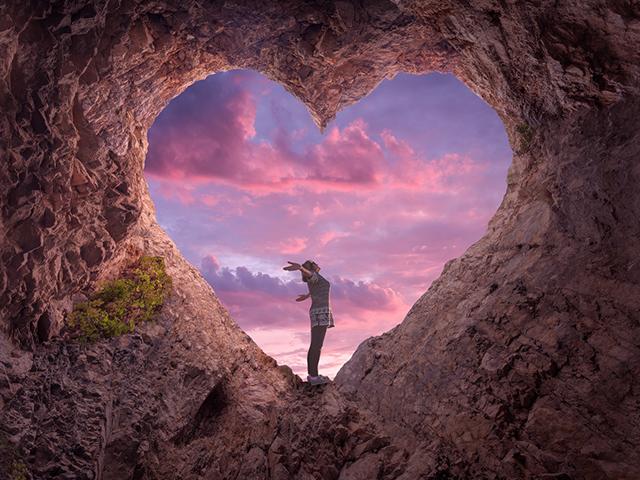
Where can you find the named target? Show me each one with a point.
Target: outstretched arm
(297, 266)
(302, 297)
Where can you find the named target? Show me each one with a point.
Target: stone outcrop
(520, 361)
(187, 396)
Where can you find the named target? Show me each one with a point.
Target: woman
(319, 313)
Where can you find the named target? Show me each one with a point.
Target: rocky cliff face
(520, 361)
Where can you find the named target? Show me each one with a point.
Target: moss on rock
(120, 304)
(525, 133)
(12, 467)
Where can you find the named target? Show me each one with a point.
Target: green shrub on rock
(12, 467)
(18, 471)
(120, 304)
(525, 133)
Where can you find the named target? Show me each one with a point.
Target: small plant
(525, 132)
(120, 304)
(12, 467)
(18, 471)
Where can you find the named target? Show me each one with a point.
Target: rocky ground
(187, 396)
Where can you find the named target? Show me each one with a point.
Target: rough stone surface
(520, 361)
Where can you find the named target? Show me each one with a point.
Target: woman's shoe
(318, 380)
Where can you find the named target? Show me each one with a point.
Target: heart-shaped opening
(395, 186)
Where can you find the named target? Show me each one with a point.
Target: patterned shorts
(322, 317)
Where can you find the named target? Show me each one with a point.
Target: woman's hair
(309, 265)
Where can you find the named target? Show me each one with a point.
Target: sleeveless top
(319, 288)
(320, 310)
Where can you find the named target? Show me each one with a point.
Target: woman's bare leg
(313, 356)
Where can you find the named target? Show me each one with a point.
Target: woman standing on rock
(320, 314)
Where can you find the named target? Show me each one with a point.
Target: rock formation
(520, 361)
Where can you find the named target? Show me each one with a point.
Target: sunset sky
(398, 184)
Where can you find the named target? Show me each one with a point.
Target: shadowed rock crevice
(520, 361)
(203, 423)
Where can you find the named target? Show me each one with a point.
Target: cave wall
(521, 358)
(525, 351)
(85, 81)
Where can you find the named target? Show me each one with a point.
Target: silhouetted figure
(319, 313)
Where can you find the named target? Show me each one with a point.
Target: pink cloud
(291, 245)
(330, 235)
(318, 210)
(347, 160)
(212, 142)
(349, 156)
(365, 295)
(216, 142)
(397, 147)
(226, 154)
(210, 264)
(209, 200)
(259, 299)
(436, 175)
(182, 193)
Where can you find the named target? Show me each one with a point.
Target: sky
(398, 184)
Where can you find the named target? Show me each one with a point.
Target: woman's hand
(297, 266)
(302, 297)
(293, 266)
